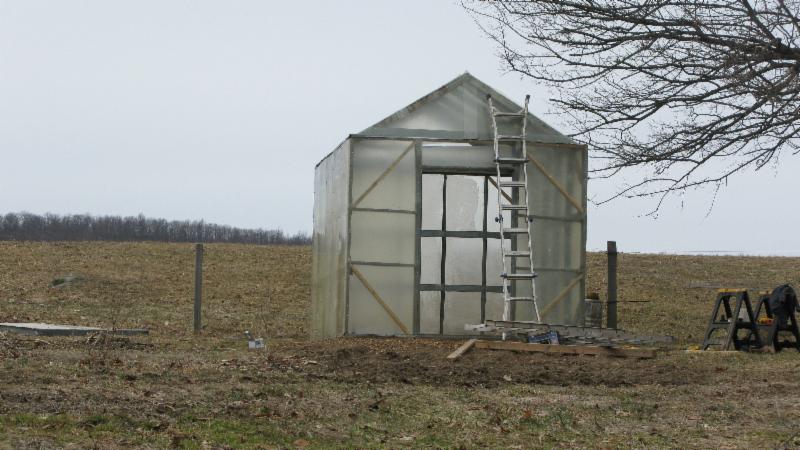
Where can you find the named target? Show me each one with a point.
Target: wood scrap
(464, 348)
(644, 353)
(714, 352)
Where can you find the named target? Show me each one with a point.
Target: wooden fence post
(611, 297)
(198, 285)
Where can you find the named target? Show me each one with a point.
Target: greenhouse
(406, 230)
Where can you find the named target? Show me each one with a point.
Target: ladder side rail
(528, 222)
(496, 143)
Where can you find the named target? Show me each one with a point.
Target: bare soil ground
(174, 390)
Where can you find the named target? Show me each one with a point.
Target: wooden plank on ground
(461, 350)
(714, 352)
(568, 349)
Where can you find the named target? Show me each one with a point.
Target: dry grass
(152, 284)
(171, 389)
(678, 289)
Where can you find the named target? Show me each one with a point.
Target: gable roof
(457, 111)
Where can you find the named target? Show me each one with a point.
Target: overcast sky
(220, 110)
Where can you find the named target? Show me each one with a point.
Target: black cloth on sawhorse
(731, 323)
(779, 307)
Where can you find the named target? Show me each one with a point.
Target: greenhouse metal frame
(406, 240)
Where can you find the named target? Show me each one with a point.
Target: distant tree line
(83, 227)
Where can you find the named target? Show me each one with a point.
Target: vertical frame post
(484, 246)
(198, 286)
(611, 314)
(584, 177)
(444, 254)
(418, 234)
(348, 270)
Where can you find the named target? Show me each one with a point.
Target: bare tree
(684, 93)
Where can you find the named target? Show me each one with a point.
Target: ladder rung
(509, 114)
(515, 254)
(509, 137)
(519, 276)
(518, 207)
(521, 299)
(512, 184)
(515, 230)
(510, 160)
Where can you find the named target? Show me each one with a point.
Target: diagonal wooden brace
(561, 295)
(378, 299)
(494, 183)
(383, 175)
(557, 185)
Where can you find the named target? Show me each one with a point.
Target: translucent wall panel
(430, 260)
(558, 231)
(464, 203)
(382, 237)
(465, 158)
(432, 201)
(429, 302)
(557, 244)
(384, 178)
(524, 310)
(463, 108)
(568, 311)
(493, 209)
(567, 167)
(396, 188)
(461, 308)
(463, 261)
(494, 262)
(494, 306)
(329, 254)
(367, 316)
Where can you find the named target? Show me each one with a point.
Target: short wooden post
(198, 286)
(611, 312)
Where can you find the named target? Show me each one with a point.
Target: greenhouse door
(460, 254)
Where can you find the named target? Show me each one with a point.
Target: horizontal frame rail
(385, 210)
(460, 288)
(459, 234)
(580, 218)
(460, 170)
(556, 269)
(381, 263)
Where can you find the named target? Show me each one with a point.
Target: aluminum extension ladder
(520, 186)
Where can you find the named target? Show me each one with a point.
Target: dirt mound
(417, 361)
